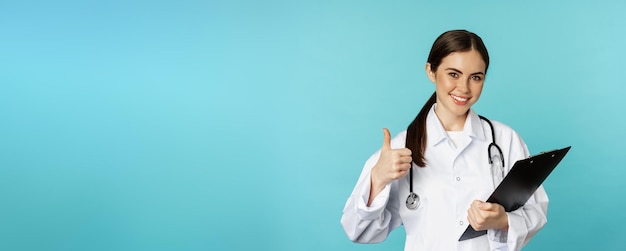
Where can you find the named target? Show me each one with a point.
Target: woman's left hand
(485, 215)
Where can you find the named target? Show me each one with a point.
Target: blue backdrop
(235, 125)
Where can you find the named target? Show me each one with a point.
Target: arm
(373, 223)
(510, 230)
(527, 220)
(371, 212)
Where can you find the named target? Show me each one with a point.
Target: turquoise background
(236, 125)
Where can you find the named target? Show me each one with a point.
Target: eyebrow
(475, 73)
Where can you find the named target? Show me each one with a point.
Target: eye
(453, 74)
(477, 78)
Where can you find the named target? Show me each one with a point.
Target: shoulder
(499, 127)
(503, 128)
(510, 140)
(507, 133)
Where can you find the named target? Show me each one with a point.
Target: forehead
(465, 61)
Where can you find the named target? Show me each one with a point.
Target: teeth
(459, 98)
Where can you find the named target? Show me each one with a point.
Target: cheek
(477, 89)
(445, 83)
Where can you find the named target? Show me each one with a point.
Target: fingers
(485, 206)
(405, 159)
(392, 163)
(399, 174)
(475, 211)
(404, 152)
(485, 215)
(386, 139)
(401, 159)
(477, 218)
(400, 164)
(472, 218)
(476, 204)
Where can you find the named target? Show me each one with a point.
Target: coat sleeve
(527, 220)
(371, 224)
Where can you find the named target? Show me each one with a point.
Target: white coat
(452, 179)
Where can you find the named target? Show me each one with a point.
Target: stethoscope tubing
(413, 200)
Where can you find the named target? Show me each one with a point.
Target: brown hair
(446, 43)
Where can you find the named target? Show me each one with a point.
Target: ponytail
(416, 133)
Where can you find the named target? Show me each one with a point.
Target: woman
(445, 150)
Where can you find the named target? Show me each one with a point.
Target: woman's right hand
(392, 165)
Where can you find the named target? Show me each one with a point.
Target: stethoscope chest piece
(413, 201)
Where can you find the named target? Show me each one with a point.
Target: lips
(459, 100)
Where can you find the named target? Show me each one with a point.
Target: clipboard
(520, 183)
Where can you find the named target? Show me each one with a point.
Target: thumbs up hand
(392, 164)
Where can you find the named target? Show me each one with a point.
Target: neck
(451, 122)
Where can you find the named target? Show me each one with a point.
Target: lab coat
(452, 179)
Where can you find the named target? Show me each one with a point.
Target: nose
(463, 85)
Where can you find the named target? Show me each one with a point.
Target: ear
(431, 74)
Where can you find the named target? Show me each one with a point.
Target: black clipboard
(520, 183)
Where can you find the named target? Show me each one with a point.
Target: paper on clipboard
(520, 183)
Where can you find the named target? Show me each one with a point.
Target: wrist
(504, 225)
(375, 187)
(376, 183)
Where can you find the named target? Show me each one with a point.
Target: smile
(459, 100)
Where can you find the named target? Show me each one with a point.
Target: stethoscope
(413, 200)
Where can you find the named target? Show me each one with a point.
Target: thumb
(386, 140)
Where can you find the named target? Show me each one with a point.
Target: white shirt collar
(437, 133)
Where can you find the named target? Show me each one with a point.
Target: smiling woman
(445, 142)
